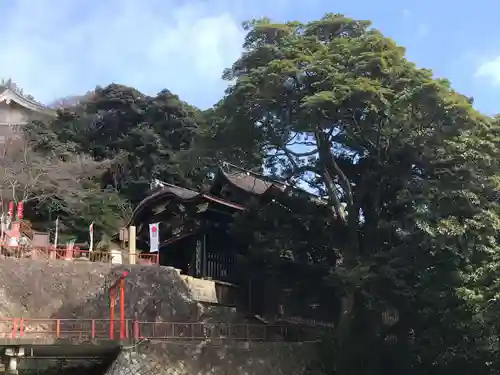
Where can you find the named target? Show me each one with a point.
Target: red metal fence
(197, 331)
(50, 253)
(99, 329)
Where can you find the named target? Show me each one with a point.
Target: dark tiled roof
(169, 190)
(178, 191)
(164, 191)
(249, 181)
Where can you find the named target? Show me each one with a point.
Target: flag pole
(2, 223)
(91, 234)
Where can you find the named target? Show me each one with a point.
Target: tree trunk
(343, 329)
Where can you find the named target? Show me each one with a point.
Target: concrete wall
(203, 359)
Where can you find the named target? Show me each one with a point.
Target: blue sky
(56, 48)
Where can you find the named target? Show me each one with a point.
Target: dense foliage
(409, 170)
(404, 170)
(136, 137)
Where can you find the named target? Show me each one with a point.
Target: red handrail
(103, 329)
(52, 253)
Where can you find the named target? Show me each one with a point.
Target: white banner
(91, 235)
(56, 235)
(154, 237)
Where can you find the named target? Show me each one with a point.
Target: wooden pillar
(204, 255)
(131, 245)
(198, 268)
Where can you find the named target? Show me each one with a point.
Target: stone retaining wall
(204, 359)
(59, 289)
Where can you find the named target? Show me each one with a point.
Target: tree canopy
(401, 172)
(133, 137)
(407, 166)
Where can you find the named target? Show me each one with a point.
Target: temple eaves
(9, 95)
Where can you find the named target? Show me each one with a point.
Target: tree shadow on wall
(151, 294)
(227, 359)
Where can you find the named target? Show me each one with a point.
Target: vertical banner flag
(56, 235)
(3, 229)
(20, 210)
(7, 219)
(154, 238)
(91, 235)
(11, 209)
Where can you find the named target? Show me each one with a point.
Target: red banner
(20, 209)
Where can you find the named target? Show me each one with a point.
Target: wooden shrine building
(195, 237)
(193, 225)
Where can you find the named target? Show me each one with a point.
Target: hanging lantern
(20, 209)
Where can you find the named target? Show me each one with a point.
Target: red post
(58, 328)
(93, 329)
(122, 307)
(112, 302)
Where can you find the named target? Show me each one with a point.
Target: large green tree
(144, 137)
(134, 138)
(407, 166)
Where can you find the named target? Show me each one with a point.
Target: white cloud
(489, 69)
(54, 48)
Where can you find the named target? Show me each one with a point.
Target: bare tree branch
(26, 176)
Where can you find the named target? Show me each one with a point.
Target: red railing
(214, 331)
(143, 258)
(100, 329)
(28, 252)
(77, 254)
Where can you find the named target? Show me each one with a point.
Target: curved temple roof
(168, 190)
(243, 179)
(248, 181)
(8, 95)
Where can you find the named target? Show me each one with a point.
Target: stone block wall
(206, 359)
